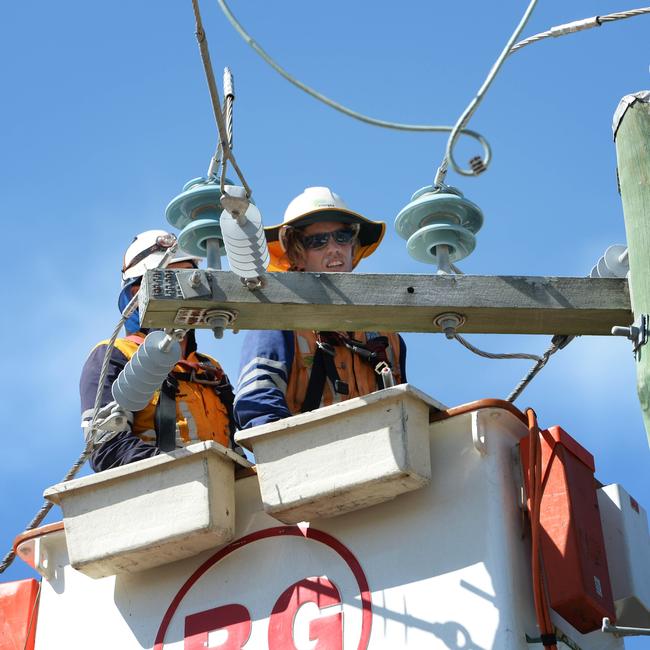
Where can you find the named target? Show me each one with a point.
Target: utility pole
(631, 128)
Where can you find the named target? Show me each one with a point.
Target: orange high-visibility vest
(200, 413)
(352, 369)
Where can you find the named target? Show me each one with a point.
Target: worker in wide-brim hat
(320, 205)
(194, 401)
(284, 372)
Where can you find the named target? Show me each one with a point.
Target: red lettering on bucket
(235, 620)
(327, 630)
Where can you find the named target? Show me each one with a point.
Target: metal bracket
(561, 637)
(194, 284)
(449, 322)
(478, 433)
(252, 284)
(637, 333)
(189, 317)
(219, 319)
(608, 628)
(235, 201)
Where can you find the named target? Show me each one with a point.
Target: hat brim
(370, 234)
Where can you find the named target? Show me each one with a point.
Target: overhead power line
(461, 125)
(366, 119)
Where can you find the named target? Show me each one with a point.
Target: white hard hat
(147, 250)
(321, 204)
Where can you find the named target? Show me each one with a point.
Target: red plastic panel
(18, 614)
(572, 545)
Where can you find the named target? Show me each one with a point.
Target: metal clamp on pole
(637, 333)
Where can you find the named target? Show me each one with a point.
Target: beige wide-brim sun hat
(321, 204)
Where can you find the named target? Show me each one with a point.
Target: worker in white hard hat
(194, 402)
(284, 372)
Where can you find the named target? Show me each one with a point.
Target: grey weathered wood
(404, 303)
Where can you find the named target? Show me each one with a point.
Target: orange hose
(542, 610)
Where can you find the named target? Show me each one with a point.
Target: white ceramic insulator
(145, 372)
(248, 254)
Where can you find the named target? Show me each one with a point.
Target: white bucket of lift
(343, 457)
(150, 512)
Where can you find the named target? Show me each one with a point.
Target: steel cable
(78, 464)
(456, 130)
(492, 355)
(466, 116)
(532, 373)
(579, 25)
(558, 342)
(386, 124)
(226, 151)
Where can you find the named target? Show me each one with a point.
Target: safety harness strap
(165, 416)
(373, 353)
(322, 367)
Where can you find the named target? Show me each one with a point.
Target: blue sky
(105, 115)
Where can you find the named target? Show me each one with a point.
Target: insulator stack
(613, 264)
(195, 212)
(244, 239)
(213, 224)
(146, 370)
(439, 222)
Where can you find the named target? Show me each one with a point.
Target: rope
(72, 472)
(465, 117)
(492, 355)
(578, 26)
(78, 464)
(558, 342)
(398, 126)
(47, 505)
(216, 103)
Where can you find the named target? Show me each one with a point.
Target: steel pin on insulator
(477, 164)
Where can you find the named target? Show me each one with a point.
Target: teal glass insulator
(194, 236)
(439, 215)
(421, 245)
(199, 199)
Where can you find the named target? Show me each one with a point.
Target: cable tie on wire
(548, 639)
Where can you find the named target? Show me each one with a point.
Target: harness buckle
(326, 347)
(341, 387)
(206, 382)
(381, 367)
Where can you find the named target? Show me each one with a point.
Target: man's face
(331, 257)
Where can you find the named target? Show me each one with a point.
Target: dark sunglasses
(344, 237)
